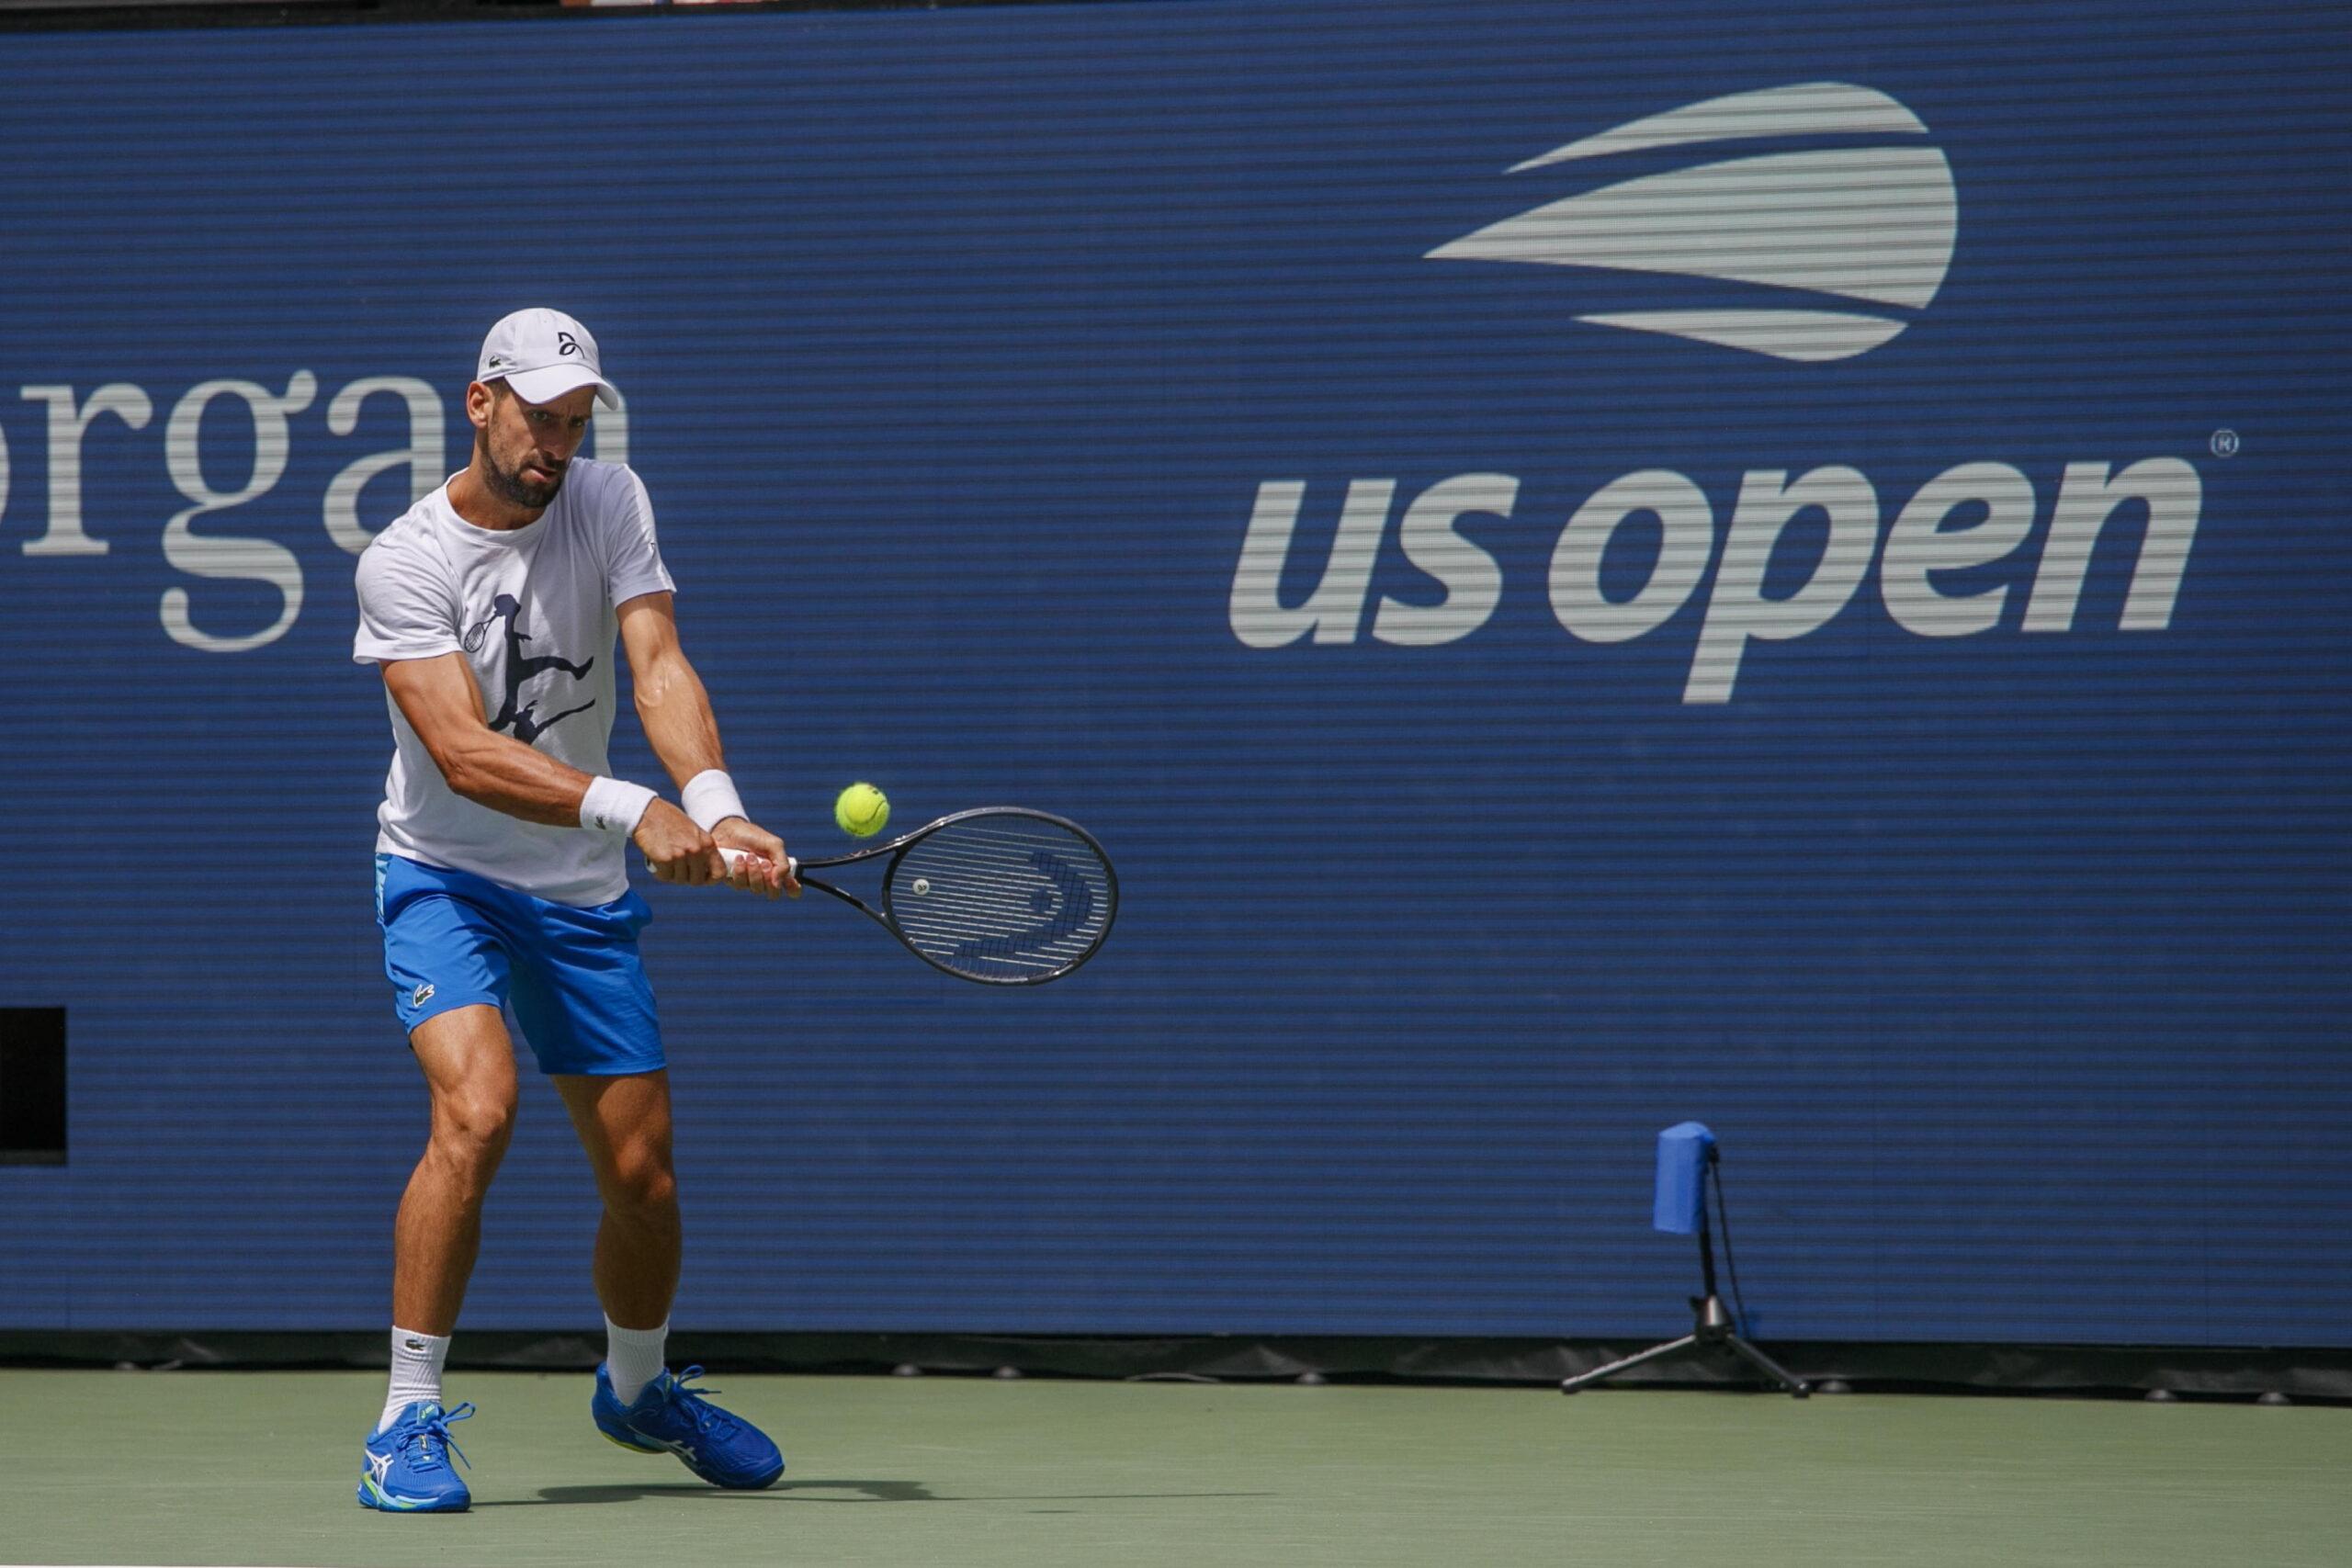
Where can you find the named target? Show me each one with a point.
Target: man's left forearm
(674, 710)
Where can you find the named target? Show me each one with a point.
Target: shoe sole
(383, 1502)
(701, 1475)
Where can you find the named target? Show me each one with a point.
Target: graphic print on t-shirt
(515, 715)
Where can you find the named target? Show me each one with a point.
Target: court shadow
(818, 1491)
(629, 1492)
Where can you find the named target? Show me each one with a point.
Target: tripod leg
(1585, 1379)
(1770, 1367)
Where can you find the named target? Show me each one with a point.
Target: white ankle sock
(416, 1372)
(633, 1358)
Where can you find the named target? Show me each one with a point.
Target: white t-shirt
(533, 611)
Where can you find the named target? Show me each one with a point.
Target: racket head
(1001, 896)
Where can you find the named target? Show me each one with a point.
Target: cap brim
(550, 382)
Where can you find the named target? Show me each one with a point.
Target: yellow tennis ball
(862, 810)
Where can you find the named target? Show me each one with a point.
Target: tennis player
(491, 607)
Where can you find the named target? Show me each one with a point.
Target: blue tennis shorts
(571, 976)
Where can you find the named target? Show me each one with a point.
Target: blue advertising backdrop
(1816, 604)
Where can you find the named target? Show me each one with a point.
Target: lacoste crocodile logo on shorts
(420, 996)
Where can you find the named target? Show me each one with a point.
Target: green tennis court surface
(251, 1468)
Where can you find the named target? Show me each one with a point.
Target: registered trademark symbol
(2226, 443)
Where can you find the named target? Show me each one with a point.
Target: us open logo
(1872, 224)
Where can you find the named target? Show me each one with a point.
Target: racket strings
(1002, 898)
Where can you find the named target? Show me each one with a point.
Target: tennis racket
(1000, 896)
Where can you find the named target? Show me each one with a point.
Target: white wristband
(709, 798)
(613, 806)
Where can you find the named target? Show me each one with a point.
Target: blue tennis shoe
(407, 1464)
(671, 1418)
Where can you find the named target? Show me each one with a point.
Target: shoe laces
(695, 1402)
(430, 1435)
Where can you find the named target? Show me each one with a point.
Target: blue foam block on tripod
(1682, 1206)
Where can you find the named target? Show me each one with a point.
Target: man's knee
(643, 1181)
(468, 1064)
(471, 1126)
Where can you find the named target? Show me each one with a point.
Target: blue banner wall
(1592, 565)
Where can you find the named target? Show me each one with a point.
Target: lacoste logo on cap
(1872, 223)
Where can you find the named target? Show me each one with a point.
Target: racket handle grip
(737, 857)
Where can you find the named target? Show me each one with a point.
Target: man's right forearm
(443, 705)
(502, 773)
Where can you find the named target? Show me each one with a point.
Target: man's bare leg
(468, 1064)
(624, 1124)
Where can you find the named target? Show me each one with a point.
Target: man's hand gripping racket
(1000, 896)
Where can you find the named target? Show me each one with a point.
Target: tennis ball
(862, 810)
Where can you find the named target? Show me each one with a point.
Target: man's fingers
(756, 861)
(785, 882)
(693, 869)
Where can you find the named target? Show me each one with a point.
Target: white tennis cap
(542, 354)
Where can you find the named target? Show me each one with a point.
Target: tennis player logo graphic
(514, 715)
(1870, 219)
